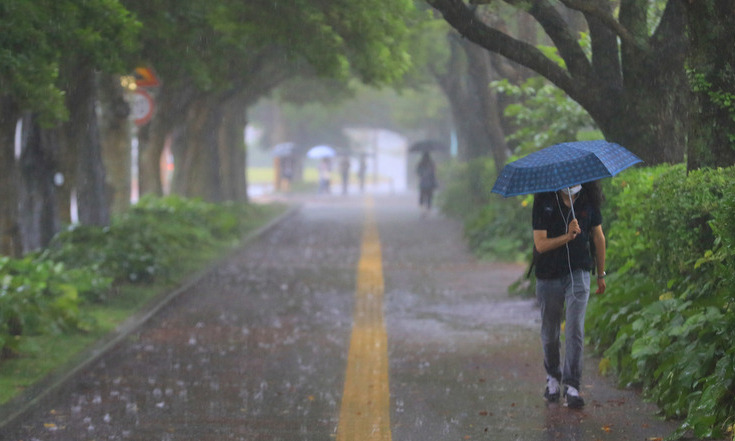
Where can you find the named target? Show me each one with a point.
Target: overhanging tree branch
(593, 9)
(566, 42)
(463, 19)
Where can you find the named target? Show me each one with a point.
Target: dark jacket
(550, 214)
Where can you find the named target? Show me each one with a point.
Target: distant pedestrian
(286, 172)
(361, 172)
(426, 171)
(344, 170)
(325, 176)
(563, 260)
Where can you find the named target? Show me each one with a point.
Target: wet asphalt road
(257, 349)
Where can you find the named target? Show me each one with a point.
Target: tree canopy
(38, 36)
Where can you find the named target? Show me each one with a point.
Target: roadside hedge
(45, 292)
(667, 321)
(38, 296)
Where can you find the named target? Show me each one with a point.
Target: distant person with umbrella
(323, 153)
(568, 244)
(325, 175)
(426, 171)
(286, 165)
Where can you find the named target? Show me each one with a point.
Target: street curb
(34, 394)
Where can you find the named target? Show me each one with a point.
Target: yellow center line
(365, 410)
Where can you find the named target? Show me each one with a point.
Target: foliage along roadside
(491, 223)
(667, 321)
(52, 291)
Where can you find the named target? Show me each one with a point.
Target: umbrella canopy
(563, 165)
(321, 151)
(283, 149)
(428, 145)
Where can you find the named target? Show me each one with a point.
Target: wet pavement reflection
(257, 349)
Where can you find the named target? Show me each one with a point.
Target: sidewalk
(256, 348)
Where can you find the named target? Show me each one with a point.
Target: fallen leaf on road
(607, 429)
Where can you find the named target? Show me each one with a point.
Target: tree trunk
(712, 62)
(10, 240)
(196, 155)
(37, 194)
(151, 141)
(171, 109)
(480, 76)
(233, 149)
(116, 142)
(652, 121)
(465, 106)
(82, 131)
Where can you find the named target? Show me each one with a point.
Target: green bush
(148, 240)
(465, 187)
(490, 221)
(38, 296)
(666, 322)
(626, 215)
(43, 292)
(543, 114)
(494, 232)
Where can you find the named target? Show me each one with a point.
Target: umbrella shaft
(571, 202)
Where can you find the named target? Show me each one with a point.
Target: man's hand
(573, 231)
(601, 286)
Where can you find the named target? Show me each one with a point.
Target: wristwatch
(602, 275)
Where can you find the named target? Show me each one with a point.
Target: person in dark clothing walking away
(568, 244)
(361, 171)
(426, 171)
(344, 170)
(325, 176)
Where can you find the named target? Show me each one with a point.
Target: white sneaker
(574, 401)
(552, 389)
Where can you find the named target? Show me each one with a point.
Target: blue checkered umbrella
(563, 165)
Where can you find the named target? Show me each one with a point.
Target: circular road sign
(141, 107)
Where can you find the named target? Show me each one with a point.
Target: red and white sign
(141, 107)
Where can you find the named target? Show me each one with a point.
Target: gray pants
(552, 294)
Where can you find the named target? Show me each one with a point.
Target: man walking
(565, 225)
